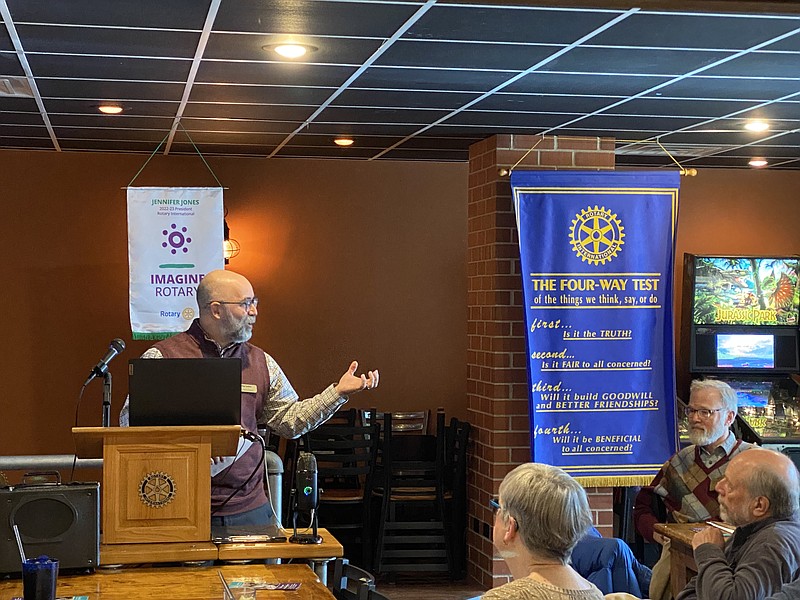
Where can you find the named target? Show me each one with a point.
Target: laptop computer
(185, 391)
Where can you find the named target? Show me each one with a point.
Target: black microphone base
(305, 538)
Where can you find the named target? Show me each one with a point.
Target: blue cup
(39, 578)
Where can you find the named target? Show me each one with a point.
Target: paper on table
(227, 461)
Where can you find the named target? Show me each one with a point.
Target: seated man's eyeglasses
(246, 304)
(703, 413)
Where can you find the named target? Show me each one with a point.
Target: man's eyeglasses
(246, 304)
(494, 504)
(703, 413)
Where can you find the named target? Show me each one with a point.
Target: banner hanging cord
(200, 154)
(683, 171)
(161, 143)
(148, 160)
(526, 154)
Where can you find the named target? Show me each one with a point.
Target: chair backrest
(350, 582)
(348, 417)
(404, 422)
(345, 455)
(455, 451)
(411, 464)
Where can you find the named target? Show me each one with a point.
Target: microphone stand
(305, 538)
(106, 399)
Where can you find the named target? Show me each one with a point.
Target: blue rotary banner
(597, 252)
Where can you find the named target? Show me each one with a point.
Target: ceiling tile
(303, 17)
(9, 64)
(177, 14)
(463, 55)
(273, 73)
(106, 67)
(49, 39)
(431, 79)
(403, 98)
(701, 30)
(260, 94)
(519, 24)
(109, 90)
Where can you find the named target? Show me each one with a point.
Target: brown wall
(351, 260)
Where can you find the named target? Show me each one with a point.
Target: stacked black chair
(455, 493)
(413, 532)
(346, 451)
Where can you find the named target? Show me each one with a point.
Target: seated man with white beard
(687, 481)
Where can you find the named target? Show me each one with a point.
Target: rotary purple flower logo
(176, 239)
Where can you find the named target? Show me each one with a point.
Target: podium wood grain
(180, 583)
(156, 480)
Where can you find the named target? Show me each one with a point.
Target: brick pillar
(497, 385)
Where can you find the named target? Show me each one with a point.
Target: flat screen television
(745, 290)
(745, 351)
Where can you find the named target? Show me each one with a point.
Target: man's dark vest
(193, 343)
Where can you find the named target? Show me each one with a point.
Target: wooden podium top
(89, 441)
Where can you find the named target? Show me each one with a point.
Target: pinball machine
(740, 325)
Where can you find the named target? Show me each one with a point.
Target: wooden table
(681, 554)
(181, 583)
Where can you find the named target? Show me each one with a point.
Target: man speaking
(228, 310)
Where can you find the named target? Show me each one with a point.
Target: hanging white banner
(175, 237)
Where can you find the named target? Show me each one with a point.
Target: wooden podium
(156, 480)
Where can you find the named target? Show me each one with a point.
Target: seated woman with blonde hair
(541, 514)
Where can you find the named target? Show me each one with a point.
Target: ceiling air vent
(682, 150)
(15, 86)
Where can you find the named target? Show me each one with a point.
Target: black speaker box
(59, 520)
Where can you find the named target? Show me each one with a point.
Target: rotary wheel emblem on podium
(157, 489)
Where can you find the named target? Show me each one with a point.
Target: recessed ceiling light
(110, 109)
(344, 141)
(758, 162)
(756, 126)
(290, 50)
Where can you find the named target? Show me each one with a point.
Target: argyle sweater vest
(243, 480)
(688, 487)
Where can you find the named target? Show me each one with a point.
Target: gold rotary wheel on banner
(157, 489)
(596, 235)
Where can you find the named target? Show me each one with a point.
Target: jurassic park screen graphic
(746, 291)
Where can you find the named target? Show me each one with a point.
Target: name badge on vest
(249, 388)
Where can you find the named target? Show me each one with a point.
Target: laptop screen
(185, 391)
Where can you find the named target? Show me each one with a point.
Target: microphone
(100, 369)
(306, 498)
(306, 482)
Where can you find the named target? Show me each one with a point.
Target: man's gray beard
(704, 439)
(242, 334)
